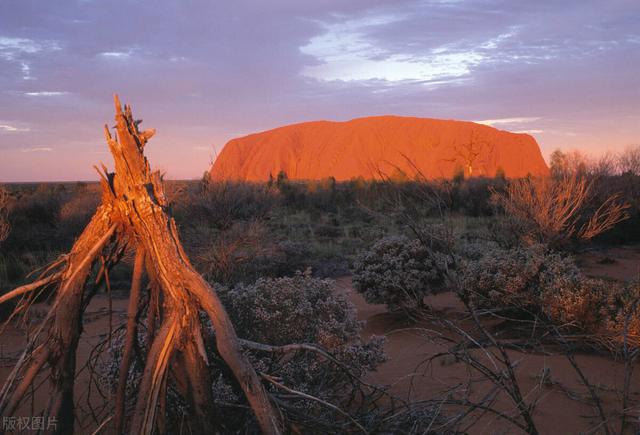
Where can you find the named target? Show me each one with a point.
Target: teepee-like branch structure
(133, 216)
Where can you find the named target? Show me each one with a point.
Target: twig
(315, 399)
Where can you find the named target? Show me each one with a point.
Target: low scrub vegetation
(310, 353)
(518, 277)
(401, 272)
(4, 214)
(557, 211)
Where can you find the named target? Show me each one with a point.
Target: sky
(203, 72)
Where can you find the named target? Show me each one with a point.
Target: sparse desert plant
(266, 311)
(35, 213)
(592, 305)
(609, 309)
(302, 309)
(534, 281)
(221, 203)
(247, 251)
(328, 231)
(4, 213)
(228, 256)
(569, 163)
(514, 278)
(629, 160)
(473, 196)
(623, 320)
(556, 211)
(75, 213)
(400, 272)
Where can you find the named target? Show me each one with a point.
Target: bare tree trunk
(198, 387)
(130, 338)
(134, 204)
(144, 207)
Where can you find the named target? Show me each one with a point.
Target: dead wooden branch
(134, 214)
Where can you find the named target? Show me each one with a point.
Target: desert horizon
(214, 152)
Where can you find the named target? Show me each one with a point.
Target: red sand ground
(556, 413)
(407, 346)
(621, 263)
(367, 147)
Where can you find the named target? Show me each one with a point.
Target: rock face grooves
(376, 147)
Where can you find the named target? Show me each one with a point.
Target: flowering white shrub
(400, 272)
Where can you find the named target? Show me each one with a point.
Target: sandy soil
(96, 329)
(563, 406)
(621, 263)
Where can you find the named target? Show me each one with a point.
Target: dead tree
(470, 152)
(134, 215)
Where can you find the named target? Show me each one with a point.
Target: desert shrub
(328, 264)
(245, 252)
(4, 213)
(266, 310)
(558, 210)
(608, 310)
(513, 278)
(357, 214)
(291, 257)
(567, 164)
(473, 249)
(536, 282)
(627, 185)
(623, 312)
(328, 231)
(75, 213)
(220, 204)
(34, 219)
(629, 160)
(42, 206)
(474, 196)
(236, 253)
(302, 309)
(277, 312)
(589, 304)
(400, 272)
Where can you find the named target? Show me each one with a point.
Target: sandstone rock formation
(388, 146)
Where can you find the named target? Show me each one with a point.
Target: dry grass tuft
(556, 211)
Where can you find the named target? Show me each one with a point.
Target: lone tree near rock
(133, 217)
